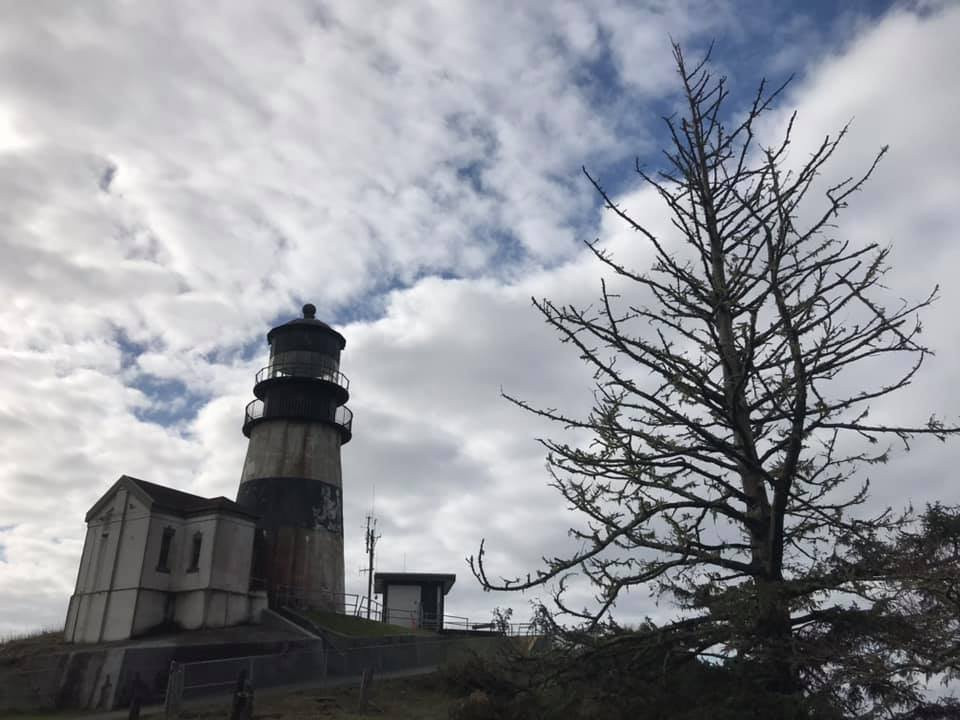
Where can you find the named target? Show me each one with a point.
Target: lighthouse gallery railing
(317, 371)
(301, 409)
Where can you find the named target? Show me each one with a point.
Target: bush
(586, 683)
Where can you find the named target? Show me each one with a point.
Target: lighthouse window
(163, 563)
(195, 552)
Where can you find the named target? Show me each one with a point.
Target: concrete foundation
(292, 448)
(103, 677)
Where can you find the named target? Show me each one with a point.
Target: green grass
(359, 627)
(15, 647)
(416, 698)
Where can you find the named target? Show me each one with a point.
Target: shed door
(403, 605)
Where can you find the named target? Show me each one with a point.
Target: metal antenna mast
(372, 537)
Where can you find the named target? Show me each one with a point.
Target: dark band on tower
(291, 475)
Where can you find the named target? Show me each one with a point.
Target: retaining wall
(104, 678)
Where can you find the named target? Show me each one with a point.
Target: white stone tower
(291, 476)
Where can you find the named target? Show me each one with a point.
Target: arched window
(195, 552)
(163, 562)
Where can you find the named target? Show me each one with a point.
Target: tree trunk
(774, 638)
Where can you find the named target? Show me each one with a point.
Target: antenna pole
(372, 537)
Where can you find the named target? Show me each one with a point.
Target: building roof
(381, 579)
(175, 502)
(309, 320)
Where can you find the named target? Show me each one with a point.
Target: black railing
(253, 411)
(297, 598)
(344, 418)
(302, 410)
(304, 370)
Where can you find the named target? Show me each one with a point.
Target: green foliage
(729, 440)
(15, 647)
(501, 619)
(619, 679)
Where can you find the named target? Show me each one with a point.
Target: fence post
(174, 696)
(366, 682)
(242, 706)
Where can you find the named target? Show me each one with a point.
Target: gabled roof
(166, 499)
(403, 578)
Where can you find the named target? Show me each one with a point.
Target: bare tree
(727, 442)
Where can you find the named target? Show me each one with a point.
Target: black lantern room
(303, 379)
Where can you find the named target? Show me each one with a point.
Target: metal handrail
(316, 371)
(253, 411)
(343, 416)
(356, 605)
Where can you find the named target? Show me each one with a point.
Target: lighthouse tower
(291, 476)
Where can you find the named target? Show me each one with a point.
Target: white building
(157, 558)
(413, 599)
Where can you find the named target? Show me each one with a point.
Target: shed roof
(382, 579)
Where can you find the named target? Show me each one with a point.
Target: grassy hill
(16, 647)
(358, 626)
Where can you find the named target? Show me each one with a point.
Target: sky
(177, 178)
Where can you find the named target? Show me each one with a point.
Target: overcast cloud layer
(175, 178)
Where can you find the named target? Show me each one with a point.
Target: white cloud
(414, 170)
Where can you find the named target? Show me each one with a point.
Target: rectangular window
(163, 563)
(195, 553)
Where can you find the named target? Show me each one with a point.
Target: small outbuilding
(155, 557)
(413, 599)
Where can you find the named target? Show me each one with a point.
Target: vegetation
(563, 686)
(414, 698)
(731, 433)
(17, 646)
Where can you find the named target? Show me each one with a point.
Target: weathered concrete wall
(70, 626)
(212, 608)
(292, 479)
(111, 560)
(102, 683)
(180, 576)
(240, 608)
(82, 679)
(119, 608)
(90, 612)
(232, 554)
(121, 590)
(310, 562)
(291, 448)
(190, 607)
(104, 677)
(133, 539)
(151, 609)
(152, 664)
(86, 558)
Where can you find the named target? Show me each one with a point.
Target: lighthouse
(291, 476)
